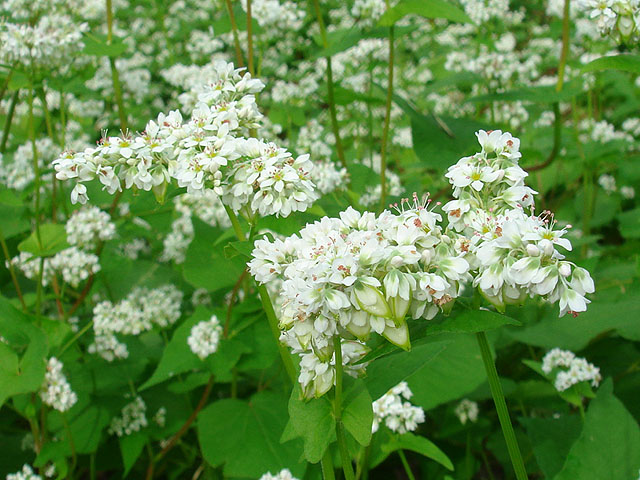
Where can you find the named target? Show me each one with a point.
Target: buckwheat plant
(355, 275)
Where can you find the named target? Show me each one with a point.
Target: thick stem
(327, 466)
(234, 29)
(347, 468)
(250, 39)
(115, 78)
(501, 407)
(330, 94)
(7, 122)
(387, 122)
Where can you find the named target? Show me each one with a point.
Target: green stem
(115, 78)
(266, 304)
(565, 45)
(7, 122)
(330, 94)
(236, 39)
(501, 407)
(347, 468)
(387, 122)
(581, 410)
(362, 468)
(327, 466)
(250, 39)
(72, 444)
(405, 464)
(78, 334)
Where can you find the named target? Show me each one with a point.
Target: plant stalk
(8, 120)
(115, 78)
(330, 93)
(501, 407)
(387, 122)
(234, 29)
(347, 467)
(250, 40)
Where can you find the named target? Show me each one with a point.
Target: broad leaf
(357, 414)
(415, 443)
(52, 239)
(471, 321)
(244, 436)
(625, 62)
(426, 9)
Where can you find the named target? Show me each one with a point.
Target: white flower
(56, 391)
(397, 414)
(467, 410)
(205, 337)
(132, 418)
(569, 370)
(26, 473)
(284, 474)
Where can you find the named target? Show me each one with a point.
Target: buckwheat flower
(88, 226)
(75, 265)
(200, 296)
(132, 419)
(608, 183)
(368, 11)
(284, 474)
(628, 192)
(56, 391)
(467, 410)
(17, 172)
(160, 418)
(358, 275)
(26, 473)
(107, 346)
(394, 411)
(566, 370)
(205, 337)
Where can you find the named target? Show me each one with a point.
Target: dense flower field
(278, 239)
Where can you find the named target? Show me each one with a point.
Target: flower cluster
(467, 411)
(619, 18)
(201, 154)
(26, 473)
(56, 391)
(569, 370)
(139, 312)
(360, 273)
(133, 418)
(513, 253)
(88, 226)
(394, 411)
(205, 337)
(284, 474)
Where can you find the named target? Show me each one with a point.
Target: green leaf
(205, 265)
(629, 223)
(552, 439)
(20, 374)
(386, 372)
(357, 414)
(233, 249)
(426, 9)
(177, 357)
(415, 443)
(53, 239)
(245, 436)
(457, 371)
(538, 94)
(625, 62)
(609, 445)
(313, 421)
(131, 447)
(97, 45)
(471, 321)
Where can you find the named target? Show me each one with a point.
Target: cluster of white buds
(569, 370)
(204, 153)
(88, 226)
(160, 418)
(368, 11)
(359, 273)
(513, 254)
(205, 337)
(56, 391)
(618, 18)
(133, 418)
(139, 312)
(271, 14)
(26, 473)
(467, 411)
(284, 474)
(395, 411)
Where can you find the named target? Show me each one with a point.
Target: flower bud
(564, 269)
(547, 247)
(371, 300)
(532, 250)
